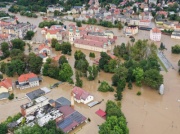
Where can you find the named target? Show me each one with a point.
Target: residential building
(155, 34)
(5, 87)
(81, 96)
(130, 30)
(31, 107)
(134, 21)
(145, 23)
(175, 35)
(164, 13)
(27, 81)
(52, 8)
(44, 49)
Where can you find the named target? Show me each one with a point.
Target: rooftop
(26, 77)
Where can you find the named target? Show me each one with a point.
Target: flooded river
(149, 113)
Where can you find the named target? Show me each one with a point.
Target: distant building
(5, 87)
(155, 34)
(27, 81)
(175, 35)
(81, 96)
(44, 49)
(153, 1)
(52, 8)
(130, 30)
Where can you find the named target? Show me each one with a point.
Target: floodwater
(149, 113)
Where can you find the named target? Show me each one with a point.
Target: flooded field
(149, 113)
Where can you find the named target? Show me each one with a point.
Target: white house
(81, 96)
(27, 81)
(175, 35)
(155, 34)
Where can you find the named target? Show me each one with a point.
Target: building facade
(155, 34)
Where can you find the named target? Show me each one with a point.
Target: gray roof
(35, 94)
(12, 124)
(51, 101)
(63, 101)
(4, 95)
(33, 79)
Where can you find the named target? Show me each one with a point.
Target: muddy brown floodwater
(149, 113)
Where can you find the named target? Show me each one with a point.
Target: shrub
(11, 96)
(105, 87)
(175, 49)
(92, 55)
(139, 93)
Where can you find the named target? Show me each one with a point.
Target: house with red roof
(155, 34)
(27, 81)
(5, 87)
(81, 96)
(44, 49)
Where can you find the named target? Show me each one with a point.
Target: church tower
(77, 34)
(71, 35)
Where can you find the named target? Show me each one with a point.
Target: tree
(29, 35)
(79, 55)
(17, 54)
(57, 47)
(62, 60)
(92, 55)
(175, 49)
(3, 128)
(18, 44)
(120, 26)
(130, 85)
(138, 74)
(112, 65)
(54, 42)
(65, 72)
(153, 78)
(66, 47)
(79, 82)
(34, 63)
(78, 24)
(104, 60)
(105, 87)
(119, 75)
(4, 47)
(120, 87)
(82, 65)
(134, 9)
(162, 47)
(92, 72)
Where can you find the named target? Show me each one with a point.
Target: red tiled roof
(101, 113)
(80, 93)
(52, 31)
(4, 36)
(156, 30)
(144, 20)
(66, 110)
(56, 58)
(42, 46)
(7, 83)
(26, 77)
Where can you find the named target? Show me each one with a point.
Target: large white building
(155, 34)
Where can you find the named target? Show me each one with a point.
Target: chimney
(72, 100)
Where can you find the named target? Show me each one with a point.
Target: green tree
(78, 24)
(34, 63)
(4, 47)
(120, 26)
(112, 65)
(93, 72)
(29, 35)
(138, 74)
(18, 44)
(104, 60)
(82, 65)
(54, 42)
(130, 85)
(65, 72)
(62, 60)
(66, 47)
(79, 55)
(105, 87)
(153, 78)
(57, 47)
(92, 55)
(79, 82)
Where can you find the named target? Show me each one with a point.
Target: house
(130, 30)
(52, 8)
(53, 33)
(81, 96)
(155, 34)
(76, 9)
(145, 23)
(164, 13)
(175, 35)
(177, 27)
(27, 81)
(134, 21)
(5, 87)
(44, 49)
(43, 56)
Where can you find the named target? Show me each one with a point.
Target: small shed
(101, 113)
